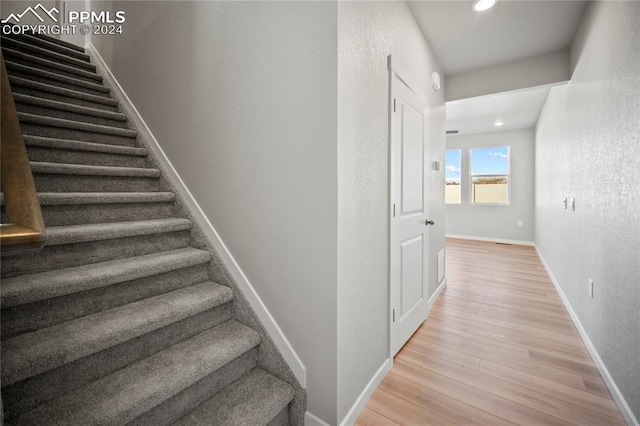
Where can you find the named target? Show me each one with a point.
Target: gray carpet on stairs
(118, 319)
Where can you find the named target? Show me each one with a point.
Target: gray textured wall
(588, 147)
(491, 221)
(242, 98)
(367, 33)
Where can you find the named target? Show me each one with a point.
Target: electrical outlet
(565, 202)
(520, 223)
(590, 286)
(573, 204)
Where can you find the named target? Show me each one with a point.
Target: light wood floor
(498, 348)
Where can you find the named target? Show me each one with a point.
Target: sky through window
(490, 161)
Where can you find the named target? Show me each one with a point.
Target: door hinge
(394, 210)
(394, 104)
(394, 315)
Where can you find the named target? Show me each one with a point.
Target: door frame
(395, 70)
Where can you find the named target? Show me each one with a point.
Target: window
(490, 175)
(452, 177)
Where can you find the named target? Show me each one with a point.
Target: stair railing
(25, 231)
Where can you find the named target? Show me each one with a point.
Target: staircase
(117, 320)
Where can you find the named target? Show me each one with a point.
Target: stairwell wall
(588, 147)
(241, 97)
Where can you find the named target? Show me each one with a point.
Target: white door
(409, 242)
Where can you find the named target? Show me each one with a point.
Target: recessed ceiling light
(482, 5)
(498, 123)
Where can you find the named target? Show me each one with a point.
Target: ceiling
(518, 109)
(463, 39)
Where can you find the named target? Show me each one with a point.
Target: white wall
(588, 147)
(367, 33)
(496, 221)
(75, 5)
(242, 98)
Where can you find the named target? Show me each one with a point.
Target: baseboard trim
(312, 420)
(492, 240)
(436, 293)
(611, 385)
(366, 394)
(238, 275)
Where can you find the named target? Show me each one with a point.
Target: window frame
(445, 178)
(472, 176)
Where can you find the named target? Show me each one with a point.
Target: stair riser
(50, 55)
(34, 316)
(27, 394)
(69, 255)
(66, 85)
(256, 398)
(63, 215)
(49, 46)
(78, 135)
(175, 407)
(281, 419)
(54, 67)
(83, 183)
(104, 213)
(68, 115)
(54, 155)
(63, 98)
(20, 70)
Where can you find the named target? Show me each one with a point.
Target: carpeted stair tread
(252, 400)
(36, 61)
(47, 54)
(20, 98)
(126, 394)
(33, 353)
(48, 88)
(57, 235)
(81, 169)
(67, 144)
(45, 285)
(55, 77)
(66, 50)
(75, 125)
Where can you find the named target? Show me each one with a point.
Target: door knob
(429, 222)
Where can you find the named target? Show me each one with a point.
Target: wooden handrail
(25, 230)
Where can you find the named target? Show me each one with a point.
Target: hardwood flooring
(498, 348)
